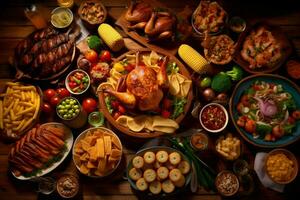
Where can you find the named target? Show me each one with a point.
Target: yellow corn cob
(111, 37)
(193, 59)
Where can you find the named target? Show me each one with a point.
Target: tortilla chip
(137, 124)
(174, 87)
(123, 120)
(159, 121)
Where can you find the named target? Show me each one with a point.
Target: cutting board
(168, 46)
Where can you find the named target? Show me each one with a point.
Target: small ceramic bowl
(227, 183)
(61, 17)
(203, 118)
(292, 160)
(67, 186)
(71, 88)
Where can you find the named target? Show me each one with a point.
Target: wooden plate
(145, 134)
(280, 37)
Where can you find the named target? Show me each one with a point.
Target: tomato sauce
(213, 117)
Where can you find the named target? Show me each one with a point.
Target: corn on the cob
(193, 59)
(111, 37)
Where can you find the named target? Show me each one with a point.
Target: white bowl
(67, 82)
(61, 9)
(226, 116)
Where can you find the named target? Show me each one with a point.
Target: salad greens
(108, 100)
(172, 67)
(178, 106)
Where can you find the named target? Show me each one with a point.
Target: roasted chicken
(143, 87)
(46, 52)
(138, 14)
(161, 25)
(156, 25)
(36, 148)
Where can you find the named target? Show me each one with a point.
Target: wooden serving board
(167, 46)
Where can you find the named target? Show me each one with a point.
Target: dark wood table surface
(14, 26)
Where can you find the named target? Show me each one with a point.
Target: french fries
(19, 107)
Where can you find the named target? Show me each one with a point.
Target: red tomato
(89, 105)
(129, 67)
(167, 103)
(116, 115)
(291, 120)
(46, 108)
(91, 56)
(72, 84)
(63, 92)
(54, 101)
(48, 94)
(105, 56)
(296, 114)
(121, 109)
(250, 126)
(165, 114)
(115, 104)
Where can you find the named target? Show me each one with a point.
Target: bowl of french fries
(20, 106)
(97, 152)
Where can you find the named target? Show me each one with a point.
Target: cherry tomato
(63, 92)
(72, 84)
(250, 126)
(129, 67)
(115, 104)
(105, 56)
(296, 114)
(48, 94)
(91, 56)
(89, 105)
(116, 115)
(165, 114)
(121, 109)
(46, 108)
(277, 131)
(54, 101)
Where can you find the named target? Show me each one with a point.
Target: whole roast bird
(142, 87)
(45, 52)
(157, 25)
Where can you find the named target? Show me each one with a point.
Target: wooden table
(15, 26)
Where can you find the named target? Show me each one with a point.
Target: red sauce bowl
(213, 117)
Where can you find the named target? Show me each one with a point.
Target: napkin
(262, 175)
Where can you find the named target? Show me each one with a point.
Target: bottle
(36, 16)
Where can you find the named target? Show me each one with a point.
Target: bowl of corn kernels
(281, 166)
